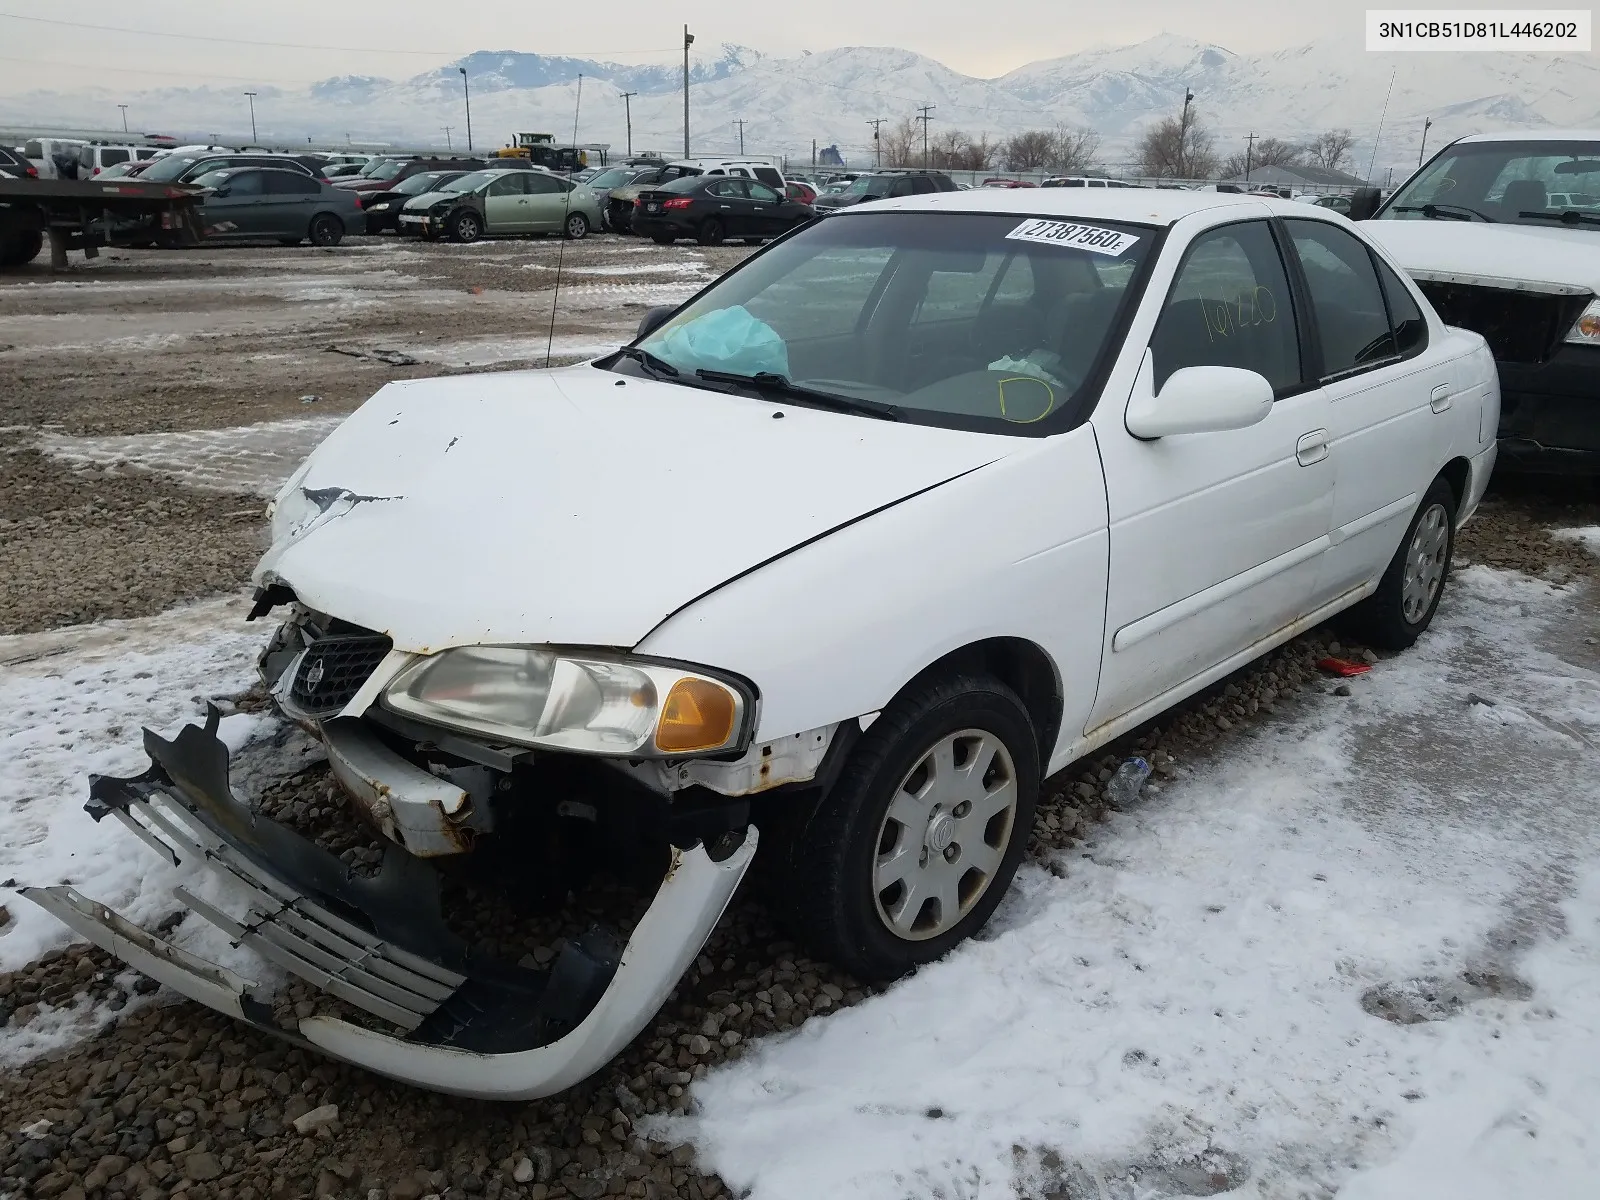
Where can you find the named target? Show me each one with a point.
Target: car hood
(576, 506)
(844, 200)
(429, 199)
(1560, 258)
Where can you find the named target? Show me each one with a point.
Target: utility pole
(627, 115)
(466, 92)
(253, 137)
(923, 111)
(688, 40)
(740, 124)
(1183, 136)
(813, 154)
(447, 146)
(1427, 124)
(124, 109)
(1249, 147)
(877, 145)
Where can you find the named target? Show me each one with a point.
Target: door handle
(727, 208)
(1312, 447)
(1440, 400)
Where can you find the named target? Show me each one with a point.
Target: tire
(1395, 615)
(466, 228)
(852, 874)
(20, 248)
(577, 227)
(326, 230)
(663, 239)
(710, 232)
(754, 241)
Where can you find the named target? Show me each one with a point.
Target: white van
(94, 158)
(41, 152)
(750, 168)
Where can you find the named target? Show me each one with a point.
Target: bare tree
(901, 143)
(1075, 150)
(955, 150)
(1031, 150)
(1178, 147)
(1268, 152)
(1330, 150)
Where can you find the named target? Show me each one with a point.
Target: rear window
(769, 177)
(33, 149)
(111, 157)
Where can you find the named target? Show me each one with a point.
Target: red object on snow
(1343, 667)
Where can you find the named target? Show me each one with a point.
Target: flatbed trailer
(86, 214)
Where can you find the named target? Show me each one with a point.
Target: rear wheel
(1395, 615)
(577, 226)
(326, 230)
(290, 241)
(20, 247)
(466, 227)
(711, 232)
(662, 239)
(914, 846)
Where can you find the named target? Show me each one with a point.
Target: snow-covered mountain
(831, 96)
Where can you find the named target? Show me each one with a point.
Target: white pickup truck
(1501, 231)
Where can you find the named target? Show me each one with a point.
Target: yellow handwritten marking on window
(1252, 306)
(1030, 382)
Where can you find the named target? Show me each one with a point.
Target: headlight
(589, 704)
(1586, 331)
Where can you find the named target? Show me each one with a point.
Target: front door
(771, 214)
(237, 209)
(1216, 538)
(505, 204)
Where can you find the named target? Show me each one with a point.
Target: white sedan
(900, 516)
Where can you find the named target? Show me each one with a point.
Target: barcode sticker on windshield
(1078, 237)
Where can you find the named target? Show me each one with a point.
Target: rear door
(290, 199)
(547, 202)
(1390, 395)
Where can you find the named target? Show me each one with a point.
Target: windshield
(427, 181)
(608, 179)
(387, 170)
(469, 182)
(978, 320)
(1518, 183)
(868, 183)
(376, 164)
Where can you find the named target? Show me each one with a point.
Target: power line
(922, 115)
(197, 37)
(877, 143)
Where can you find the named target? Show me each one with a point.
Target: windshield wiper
(1567, 216)
(771, 381)
(1446, 212)
(650, 362)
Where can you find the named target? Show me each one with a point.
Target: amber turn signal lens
(1589, 325)
(697, 715)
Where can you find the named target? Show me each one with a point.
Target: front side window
(507, 185)
(761, 192)
(728, 188)
(1513, 182)
(979, 320)
(1230, 307)
(1346, 301)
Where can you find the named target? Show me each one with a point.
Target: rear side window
(1346, 301)
(727, 187)
(144, 155)
(1230, 306)
(33, 149)
(1405, 318)
(109, 158)
(921, 185)
(543, 185)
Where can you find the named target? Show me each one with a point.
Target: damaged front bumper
(452, 1021)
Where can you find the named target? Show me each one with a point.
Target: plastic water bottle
(1126, 782)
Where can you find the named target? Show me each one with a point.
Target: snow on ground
(1187, 1010)
(1589, 535)
(73, 703)
(686, 267)
(484, 351)
(253, 458)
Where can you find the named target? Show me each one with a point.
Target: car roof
(1535, 135)
(1145, 206)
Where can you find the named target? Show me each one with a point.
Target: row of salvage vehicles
(793, 685)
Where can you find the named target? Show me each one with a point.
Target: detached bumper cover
(461, 1023)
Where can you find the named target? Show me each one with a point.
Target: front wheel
(662, 239)
(711, 232)
(577, 226)
(754, 241)
(466, 227)
(914, 846)
(1402, 608)
(326, 230)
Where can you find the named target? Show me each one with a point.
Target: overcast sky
(401, 37)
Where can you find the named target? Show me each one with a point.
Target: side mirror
(654, 319)
(1363, 203)
(221, 190)
(1201, 400)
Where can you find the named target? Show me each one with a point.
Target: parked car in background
(881, 184)
(712, 208)
(1083, 181)
(94, 157)
(17, 165)
(747, 168)
(1481, 231)
(288, 206)
(601, 182)
(1339, 204)
(383, 173)
(502, 201)
(188, 166)
(619, 202)
(1008, 183)
(46, 155)
(799, 191)
(342, 170)
(382, 209)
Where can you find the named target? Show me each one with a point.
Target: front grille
(333, 669)
(1520, 327)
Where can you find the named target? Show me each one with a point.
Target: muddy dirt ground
(106, 512)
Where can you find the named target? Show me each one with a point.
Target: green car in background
(499, 202)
